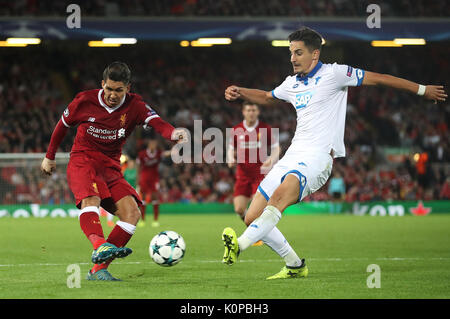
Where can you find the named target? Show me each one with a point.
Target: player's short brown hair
(117, 71)
(311, 38)
(245, 103)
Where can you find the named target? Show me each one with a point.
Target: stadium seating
(177, 84)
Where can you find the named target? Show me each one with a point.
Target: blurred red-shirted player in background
(105, 118)
(147, 162)
(249, 148)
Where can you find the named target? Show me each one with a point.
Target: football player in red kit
(148, 161)
(104, 119)
(248, 148)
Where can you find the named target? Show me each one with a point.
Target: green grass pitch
(412, 252)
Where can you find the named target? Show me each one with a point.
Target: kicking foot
(231, 246)
(107, 252)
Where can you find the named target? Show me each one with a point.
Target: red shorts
(247, 186)
(95, 174)
(148, 183)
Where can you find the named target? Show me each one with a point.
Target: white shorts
(312, 171)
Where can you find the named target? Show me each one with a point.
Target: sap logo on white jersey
(302, 99)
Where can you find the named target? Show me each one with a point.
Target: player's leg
(274, 239)
(240, 204)
(88, 193)
(89, 219)
(145, 199)
(129, 215)
(261, 220)
(229, 236)
(143, 190)
(240, 208)
(155, 204)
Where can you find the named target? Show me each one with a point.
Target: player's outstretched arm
(256, 96)
(48, 164)
(430, 92)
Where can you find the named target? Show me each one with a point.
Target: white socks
(279, 244)
(260, 227)
(264, 228)
(89, 209)
(129, 228)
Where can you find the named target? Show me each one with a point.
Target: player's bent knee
(129, 215)
(90, 201)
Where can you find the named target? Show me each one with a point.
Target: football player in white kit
(318, 92)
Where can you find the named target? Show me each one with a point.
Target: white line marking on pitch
(241, 261)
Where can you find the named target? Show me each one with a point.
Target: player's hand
(436, 93)
(48, 166)
(179, 135)
(232, 93)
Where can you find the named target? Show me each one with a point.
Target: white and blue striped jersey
(320, 100)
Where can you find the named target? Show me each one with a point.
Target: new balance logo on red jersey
(91, 119)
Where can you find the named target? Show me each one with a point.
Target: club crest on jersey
(123, 119)
(349, 71)
(150, 110)
(302, 99)
(303, 181)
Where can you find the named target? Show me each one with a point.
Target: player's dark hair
(245, 103)
(311, 38)
(117, 71)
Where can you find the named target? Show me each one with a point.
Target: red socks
(91, 226)
(155, 210)
(142, 209)
(119, 236)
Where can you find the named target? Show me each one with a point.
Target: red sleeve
(58, 135)
(71, 114)
(162, 127)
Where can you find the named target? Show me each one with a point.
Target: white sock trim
(129, 228)
(87, 209)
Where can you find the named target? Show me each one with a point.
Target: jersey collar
(310, 74)
(109, 109)
(250, 128)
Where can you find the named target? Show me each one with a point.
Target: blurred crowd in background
(293, 8)
(187, 84)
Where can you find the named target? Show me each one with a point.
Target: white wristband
(421, 90)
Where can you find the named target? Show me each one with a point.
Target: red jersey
(102, 128)
(253, 146)
(148, 161)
